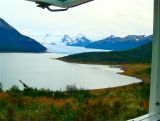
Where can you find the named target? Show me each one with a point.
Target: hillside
(138, 55)
(13, 41)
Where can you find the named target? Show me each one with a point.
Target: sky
(97, 19)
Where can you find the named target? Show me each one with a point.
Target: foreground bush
(115, 104)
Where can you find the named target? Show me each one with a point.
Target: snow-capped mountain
(67, 39)
(110, 43)
(134, 37)
(121, 43)
(80, 40)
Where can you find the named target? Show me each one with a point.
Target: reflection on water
(39, 70)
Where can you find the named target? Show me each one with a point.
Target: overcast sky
(96, 19)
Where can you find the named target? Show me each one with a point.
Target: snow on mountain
(121, 43)
(67, 39)
(80, 40)
(79, 36)
(112, 36)
(134, 37)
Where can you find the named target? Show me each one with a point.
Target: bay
(43, 71)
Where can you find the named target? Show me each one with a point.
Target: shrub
(14, 89)
(10, 113)
(82, 95)
(59, 94)
(71, 89)
(3, 104)
(34, 92)
(0, 87)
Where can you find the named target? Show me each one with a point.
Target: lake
(40, 71)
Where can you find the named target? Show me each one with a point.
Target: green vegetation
(138, 55)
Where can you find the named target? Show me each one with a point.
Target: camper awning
(62, 3)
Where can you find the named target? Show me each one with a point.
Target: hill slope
(138, 55)
(13, 41)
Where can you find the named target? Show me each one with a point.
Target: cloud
(100, 17)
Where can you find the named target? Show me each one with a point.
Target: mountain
(80, 40)
(120, 43)
(110, 43)
(67, 39)
(13, 41)
(141, 54)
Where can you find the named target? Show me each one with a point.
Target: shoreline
(128, 71)
(124, 66)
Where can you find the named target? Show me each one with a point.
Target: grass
(142, 71)
(113, 104)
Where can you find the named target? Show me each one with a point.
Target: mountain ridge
(121, 43)
(12, 40)
(109, 43)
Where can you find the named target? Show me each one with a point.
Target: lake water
(39, 70)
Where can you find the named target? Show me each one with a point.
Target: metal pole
(154, 106)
